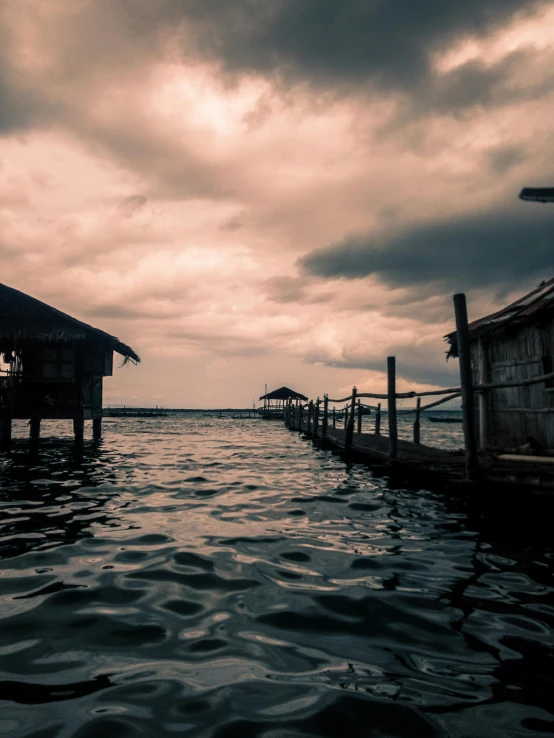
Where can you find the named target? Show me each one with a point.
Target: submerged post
(466, 381)
(350, 425)
(416, 421)
(391, 406)
(359, 416)
(378, 420)
(325, 416)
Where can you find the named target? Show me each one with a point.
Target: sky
(284, 193)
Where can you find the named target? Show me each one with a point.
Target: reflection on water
(215, 577)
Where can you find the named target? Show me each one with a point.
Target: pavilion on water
(274, 402)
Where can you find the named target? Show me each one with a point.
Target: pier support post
(417, 421)
(300, 417)
(325, 416)
(359, 416)
(346, 418)
(391, 407)
(5, 426)
(97, 428)
(34, 427)
(316, 416)
(310, 416)
(334, 417)
(378, 420)
(483, 397)
(466, 381)
(350, 425)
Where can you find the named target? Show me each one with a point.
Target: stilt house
(516, 343)
(51, 365)
(274, 402)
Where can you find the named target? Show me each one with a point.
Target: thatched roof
(25, 319)
(535, 306)
(283, 393)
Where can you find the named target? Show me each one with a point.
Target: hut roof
(24, 318)
(534, 306)
(283, 393)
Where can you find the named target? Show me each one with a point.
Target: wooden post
(325, 416)
(391, 406)
(97, 428)
(346, 418)
(300, 417)
(334, 417)
(466, 381)
(78, 415)
(34, 430)
(483, 397)
(310, 415)
(350, 425)
(5, 426)
(316, 416)
(416, 422)
(359, 416)
(378, 420)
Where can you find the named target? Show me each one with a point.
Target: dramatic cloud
(282, 192)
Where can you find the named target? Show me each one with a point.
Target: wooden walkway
(433, 466)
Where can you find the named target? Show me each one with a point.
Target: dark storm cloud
(422, 364)
(501, 249)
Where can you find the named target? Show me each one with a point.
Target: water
(196, 576)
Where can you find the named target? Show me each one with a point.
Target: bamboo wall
(515, 413)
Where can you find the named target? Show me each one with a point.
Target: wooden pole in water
(334, 417)
(359, 416)
(391, 407)
(325, 416)
(378, 420)
(346, 418)
(310, 415)
(483, 397)
(316, 416)
(416, 422)
(466, 382)
(34, 430)
(350, 425)
(79, 413)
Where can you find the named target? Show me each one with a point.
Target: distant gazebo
(274, 402)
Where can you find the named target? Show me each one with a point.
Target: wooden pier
(500, 457)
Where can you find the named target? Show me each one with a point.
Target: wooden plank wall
(516, 413)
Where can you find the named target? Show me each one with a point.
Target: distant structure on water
(274, 402)
(512, 347)
(51, 365)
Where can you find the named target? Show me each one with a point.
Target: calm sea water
(196, 576)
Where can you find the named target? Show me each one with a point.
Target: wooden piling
(79, 413)
(483, 397)
(5, 426)
(310, 416)
(378, 420)
(97, 428)
(359, 416)
(34, 427)
(466, 381)
(334, 417)
(417, 421)
(316, 416)
(325, 416)
(350, 425)
(391, 406)
(346, 418)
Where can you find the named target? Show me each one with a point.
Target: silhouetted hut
(51, 365)
(514, 344)
(274, 402)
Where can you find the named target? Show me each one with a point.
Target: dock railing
(307, 417)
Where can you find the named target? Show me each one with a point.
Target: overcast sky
(274, 191)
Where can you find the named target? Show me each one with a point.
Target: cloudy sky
(274, 191)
